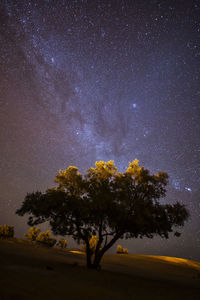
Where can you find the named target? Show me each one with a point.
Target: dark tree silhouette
(105, 203)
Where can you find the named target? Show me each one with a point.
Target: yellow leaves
(93, 243)
(105, 167)
(121, 250)
(119, 175)
(70, 179)
(32, 233)
(35, 234)
(6, 231)
(135, 162)
(67, 175)
(134, 169)
(74, 182)
(45, 238)
(62, 243)
(44, 235)
(103, 170)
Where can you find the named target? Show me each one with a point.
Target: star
(83, 81)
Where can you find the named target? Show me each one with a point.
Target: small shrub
(62, 243)
(32, 233)
(45, 239)
(125, 251)
(6, 231)
(121, 250)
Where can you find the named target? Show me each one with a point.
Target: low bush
(121, 250)
(6, 231)
(45, 239)
(32, 233)
(62, 243)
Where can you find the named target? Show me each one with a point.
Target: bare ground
(31, 272)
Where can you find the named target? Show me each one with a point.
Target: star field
(82, 81)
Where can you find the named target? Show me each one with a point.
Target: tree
(106, 203)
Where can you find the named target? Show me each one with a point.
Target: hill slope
(31, 272)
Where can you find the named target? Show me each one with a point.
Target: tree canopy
(106, 203)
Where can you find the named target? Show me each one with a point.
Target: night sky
(82, 81)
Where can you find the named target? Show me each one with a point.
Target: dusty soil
(30, 272)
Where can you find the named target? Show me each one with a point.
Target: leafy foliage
(6, 231)
(62, 243)
(45, 239)
(93, 241)
(32, 233)
(107, 204)
(121, 250)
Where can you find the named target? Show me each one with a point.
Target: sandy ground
(32, 272)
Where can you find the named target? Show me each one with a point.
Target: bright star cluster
(84, 80)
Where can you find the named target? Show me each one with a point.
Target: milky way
(82, 81)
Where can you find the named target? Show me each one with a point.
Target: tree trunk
(98, 255)
(88, 255)
(89, 262)
(95, 264)
(97, 259)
